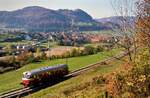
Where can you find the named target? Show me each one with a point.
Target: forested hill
(116, 20)
(39, 19)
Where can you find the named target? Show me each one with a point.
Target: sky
(96, 8)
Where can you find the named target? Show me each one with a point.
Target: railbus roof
(44, 69)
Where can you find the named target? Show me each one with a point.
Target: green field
(11, 80)
(52, 44)
(14, 43)
(103, 32)
(78, 86)
(2, 36)
(110, 32)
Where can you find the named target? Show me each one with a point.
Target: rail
(22, 91)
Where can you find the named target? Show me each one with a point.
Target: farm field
(81, 86)
(14, 43)
(109, 32)
(11, 80)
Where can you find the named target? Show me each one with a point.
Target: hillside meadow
(88, 85)
(11, 80)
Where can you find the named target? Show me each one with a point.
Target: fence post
(106, 94)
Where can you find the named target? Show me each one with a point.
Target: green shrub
(88, 50)
(100, 48)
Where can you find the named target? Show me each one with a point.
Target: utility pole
(66, 50)
(71, 31)
(49, 39)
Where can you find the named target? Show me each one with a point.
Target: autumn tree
(25, 58)
(74, 52)
(125, 10)
(143, 23)
(135, 81)
(38, 52)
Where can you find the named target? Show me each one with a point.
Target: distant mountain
(116, 20)
(39, 19)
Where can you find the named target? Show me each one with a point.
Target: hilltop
(38, 19)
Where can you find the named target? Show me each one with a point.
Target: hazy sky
(96, 8)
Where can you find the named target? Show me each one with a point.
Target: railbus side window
(34, 76)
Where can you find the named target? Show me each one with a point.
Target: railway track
(94, 65)
(15, 93)
(25, 91)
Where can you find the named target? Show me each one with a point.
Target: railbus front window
(27, 76)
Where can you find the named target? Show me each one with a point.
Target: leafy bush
(100, 48)
(88, 50)
(135, 82)
(74, 52)
(25, 58)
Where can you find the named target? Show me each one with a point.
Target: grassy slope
(12, 79)
(78, 87)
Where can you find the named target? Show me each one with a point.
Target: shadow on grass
(44, 85)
